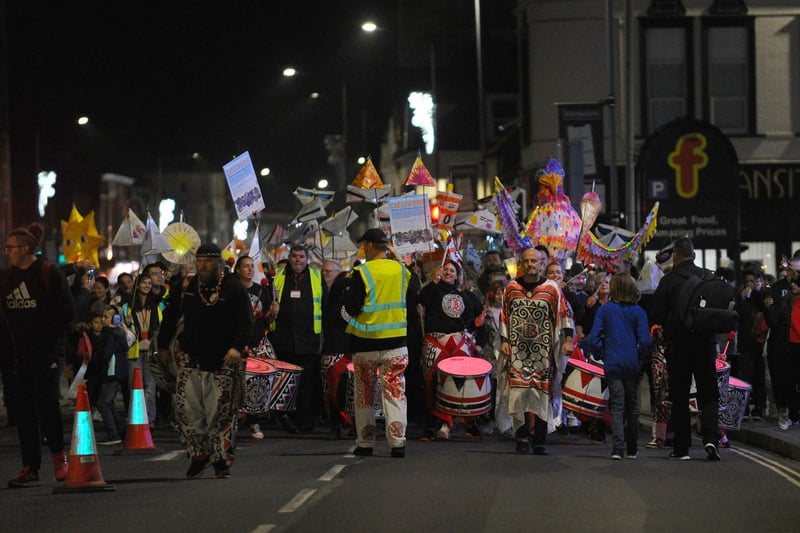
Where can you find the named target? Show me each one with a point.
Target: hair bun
(37, 231)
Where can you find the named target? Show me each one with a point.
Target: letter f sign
(687, 160)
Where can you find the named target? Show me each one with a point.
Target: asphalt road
(293, 483)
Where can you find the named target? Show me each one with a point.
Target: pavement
(766, 434)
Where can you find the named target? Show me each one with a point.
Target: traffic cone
(84, 473)
(137, 435)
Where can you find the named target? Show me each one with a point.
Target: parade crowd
(466, 353)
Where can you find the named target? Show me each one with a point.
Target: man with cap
(376, 303)
(217, 323)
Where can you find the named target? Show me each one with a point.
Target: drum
(723, 376)
(285, 384)
(731, 411)
(464, 386)
(585, 391)
(350, 398)
(258, 386)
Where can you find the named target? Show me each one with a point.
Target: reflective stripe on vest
(383, 315)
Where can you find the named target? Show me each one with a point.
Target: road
(293, 483)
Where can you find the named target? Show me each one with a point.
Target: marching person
(38, 305)
(376, 302)
(531, 335)
(296, 331)
(218, 323)
(449, 315)
(688, 354)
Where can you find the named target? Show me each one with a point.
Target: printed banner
(243, 184)
(410, 218)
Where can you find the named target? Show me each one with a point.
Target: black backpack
(705, 304)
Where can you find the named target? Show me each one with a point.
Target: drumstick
(588, 268)
(724, 354)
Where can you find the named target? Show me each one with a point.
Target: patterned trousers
(392, 365)
(205, 412)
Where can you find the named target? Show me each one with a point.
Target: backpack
(705, 304)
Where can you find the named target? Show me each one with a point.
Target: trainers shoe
(444, 432)
(110, 441)
(288, 425)
(362, 451)
(616, 456)
(679, 456)
(783, 419)
(255, 432)
(399, 452)
(60, 466)
(655, 443)
(632, 454)
(27, 477)
(472, 431)
(196, 467)
(523, 446)
(221, 469)
(712, 453)
(540, 450)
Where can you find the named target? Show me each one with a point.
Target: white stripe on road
(264, 528)
(169, 456)
(298, 500)
(332, 473)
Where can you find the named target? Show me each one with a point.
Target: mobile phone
(91, 273)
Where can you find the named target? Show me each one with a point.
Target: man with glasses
(38, 305)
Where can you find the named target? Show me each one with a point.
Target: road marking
(298, 500)
(790, 475)
(169, 456)
(332, 473)
(264, 528)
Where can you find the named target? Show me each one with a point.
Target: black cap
(374, 235)
(208, 250)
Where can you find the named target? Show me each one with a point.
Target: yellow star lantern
(79, 237)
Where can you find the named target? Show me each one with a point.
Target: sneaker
(712, 453)
(363, 451)
(783, 419)
(221, 469)
(523, 446)
(540, 450)
(679, 456)
(634, 455)
(399, 452)
(27, 477)
(60, 466)
(196, 467)
(288, 425)
(616, 456)
(255, 432)
(428, 436)
(472, 431)
(655, 443)
(110, 441)
(444, 432)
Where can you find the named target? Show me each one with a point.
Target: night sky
(161, 80)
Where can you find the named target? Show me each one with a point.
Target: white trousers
(390, 365)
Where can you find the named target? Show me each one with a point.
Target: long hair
(623, 289)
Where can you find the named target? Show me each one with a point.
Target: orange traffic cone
(137, 436)
(84, 473)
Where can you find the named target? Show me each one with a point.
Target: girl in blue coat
(621, 335)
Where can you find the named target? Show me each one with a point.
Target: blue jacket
(622, 335)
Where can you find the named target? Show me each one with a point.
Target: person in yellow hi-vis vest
(296, 332)
(376, 303)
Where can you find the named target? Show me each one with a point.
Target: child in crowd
(621, 336)
(107, 368)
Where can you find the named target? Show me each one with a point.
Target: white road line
(169, 456)
(264, 528)
(332, 473)
(298, 500)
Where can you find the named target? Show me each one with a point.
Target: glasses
(11, 246)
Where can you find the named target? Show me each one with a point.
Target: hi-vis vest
(384, 313)
(316, 294)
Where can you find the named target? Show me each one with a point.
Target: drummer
(449, 315)
(264, 311)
